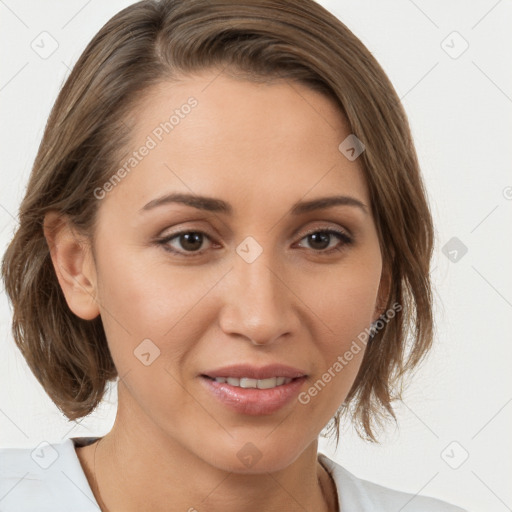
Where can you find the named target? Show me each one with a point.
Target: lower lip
(252, 401)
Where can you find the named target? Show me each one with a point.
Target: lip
(253, 401)
(253, 372)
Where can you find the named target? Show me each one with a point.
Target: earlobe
(73, 264)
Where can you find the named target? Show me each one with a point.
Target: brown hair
(152, 41)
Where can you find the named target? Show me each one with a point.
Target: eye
(320, 240)
(190, 242)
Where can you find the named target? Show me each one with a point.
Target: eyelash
(343, 237)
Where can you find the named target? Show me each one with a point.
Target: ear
(72, 259)
(383, 293)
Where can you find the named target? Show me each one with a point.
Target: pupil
(323, 238)
(188, 240)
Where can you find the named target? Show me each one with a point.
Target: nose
(258, 302)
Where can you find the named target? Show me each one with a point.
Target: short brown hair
(154, 41)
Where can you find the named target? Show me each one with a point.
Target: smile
(251, 396)
(247, 382)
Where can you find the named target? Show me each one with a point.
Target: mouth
(253, 397)
(249, 383)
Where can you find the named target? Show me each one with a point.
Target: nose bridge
(258, 304)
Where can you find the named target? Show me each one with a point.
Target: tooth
(245, 382)
(268, 383)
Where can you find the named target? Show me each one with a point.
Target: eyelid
(317, 229)
(344, 237)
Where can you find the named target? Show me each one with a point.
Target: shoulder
(47, 477)
(357, 494)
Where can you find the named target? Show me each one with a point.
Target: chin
(255, 457)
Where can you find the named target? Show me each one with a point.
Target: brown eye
(320, 240)
(184, 242)
(191, 241)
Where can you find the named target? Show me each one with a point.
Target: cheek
(346, 306)
(346, 299)
(147, 296)
(142, 301)
(145, 313)
(347, 310)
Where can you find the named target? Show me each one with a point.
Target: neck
(142, 468)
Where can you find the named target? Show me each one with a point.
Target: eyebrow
(212, 204)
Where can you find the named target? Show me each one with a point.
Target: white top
(50, 478)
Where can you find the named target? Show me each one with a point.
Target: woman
(226, 212)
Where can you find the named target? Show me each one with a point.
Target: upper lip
(253, 372)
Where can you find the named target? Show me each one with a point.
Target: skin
(261, 148)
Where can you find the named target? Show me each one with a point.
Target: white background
(460, 114)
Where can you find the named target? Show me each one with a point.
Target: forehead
(246, 142)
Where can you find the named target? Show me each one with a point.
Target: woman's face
(248, 282)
